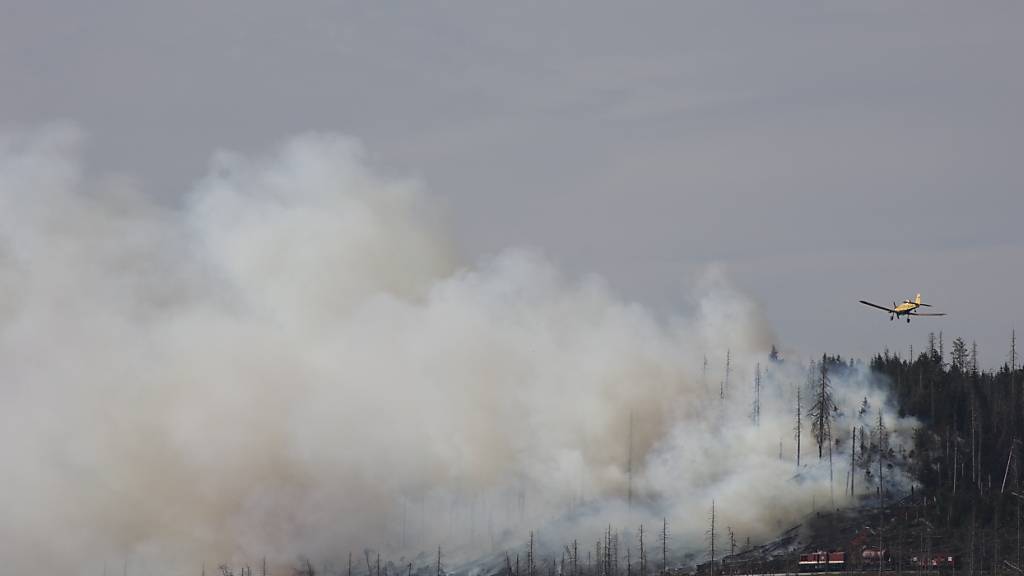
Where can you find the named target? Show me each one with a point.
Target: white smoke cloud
(292, 361)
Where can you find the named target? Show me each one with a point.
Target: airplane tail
(917, 300)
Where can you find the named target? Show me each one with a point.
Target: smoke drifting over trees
(293, 361)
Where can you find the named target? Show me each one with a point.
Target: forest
(967, 451)
(966, 454)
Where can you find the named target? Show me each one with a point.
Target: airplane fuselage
(906, 307)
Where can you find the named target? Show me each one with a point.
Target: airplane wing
(926, 314)
(889, 310)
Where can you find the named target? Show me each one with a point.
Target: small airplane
(906, 308)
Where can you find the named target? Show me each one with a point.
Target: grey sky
(820, 153)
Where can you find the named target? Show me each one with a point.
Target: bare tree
(881, 500)
(615, 554)
(629, 463)
(664, 545)
(724, 387)
(821, 414)
(643, 553)
(755, 415)
(704, 375)
(798, 429)
(853, 463)
(973, 526)
(1013, 350)
(974, 428)
(822, 409)
(1018, 529)
(605, 552)
(883, 442)
(530, 559)
(711, 538)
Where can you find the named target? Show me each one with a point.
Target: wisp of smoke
(292, 361)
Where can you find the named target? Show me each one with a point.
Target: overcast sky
(820, 153)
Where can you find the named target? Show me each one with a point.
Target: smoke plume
(292, 361)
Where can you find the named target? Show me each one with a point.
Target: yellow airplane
(907, 308)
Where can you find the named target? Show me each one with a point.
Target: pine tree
(974, 358)
(1013, 350)
(959, 355)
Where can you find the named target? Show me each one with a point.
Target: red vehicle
(937, 561)
(873, 556)
(822, 561)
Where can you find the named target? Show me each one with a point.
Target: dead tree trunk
(643, 553)
(798, 429)
(664, 545)
(711, 537)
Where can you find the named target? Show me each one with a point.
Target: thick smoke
(292, 361)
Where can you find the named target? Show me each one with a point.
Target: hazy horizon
(821, 154)
(271, 275)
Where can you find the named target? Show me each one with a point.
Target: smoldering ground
(292, 360)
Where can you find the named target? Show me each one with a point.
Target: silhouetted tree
(822, 409)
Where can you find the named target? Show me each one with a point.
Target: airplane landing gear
(908, 320)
